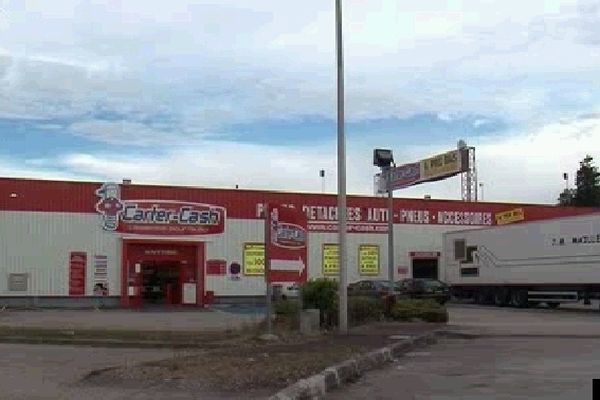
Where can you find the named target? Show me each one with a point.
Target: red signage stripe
(79, 197)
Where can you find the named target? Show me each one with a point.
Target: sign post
(390, 229)
(341, 166)
(269, 287)
(286, 240)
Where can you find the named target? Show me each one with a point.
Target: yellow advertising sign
(368, 259)
(331, 259)
(508, 217)
(254, 259)
(441, 165)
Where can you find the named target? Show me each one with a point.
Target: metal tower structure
(468, 179)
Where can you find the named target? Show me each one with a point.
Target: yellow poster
(441, 165)
(368, 259)
(331, 259)
(254, 259)
(508, 217)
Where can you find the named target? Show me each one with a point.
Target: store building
(84, 244)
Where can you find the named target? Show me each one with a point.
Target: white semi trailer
(553, 261)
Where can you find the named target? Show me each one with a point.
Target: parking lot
(511, 354)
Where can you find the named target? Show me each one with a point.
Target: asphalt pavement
(512, 354)
(521, 354)
(486, 368)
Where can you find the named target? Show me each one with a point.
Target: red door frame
(200, 279)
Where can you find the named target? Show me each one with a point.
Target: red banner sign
(216, 267)
(157, 217)
(77, 266)
(286, 235)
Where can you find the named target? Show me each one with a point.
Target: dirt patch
(254, 364)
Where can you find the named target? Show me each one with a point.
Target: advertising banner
(508, 217)
(430, 169)
(331, 259)
(444, 165)
(368, 259)
(254, 259)
(287, 242)
(77, 267)
(402, 176)
(157, 217)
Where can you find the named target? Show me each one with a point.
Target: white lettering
(260, 210)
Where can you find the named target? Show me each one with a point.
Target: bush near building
(426, 310)
(322, 294)
(364, 309)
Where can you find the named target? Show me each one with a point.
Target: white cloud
(186, 69)
(519, 168)
(272, 59)
(118, 132)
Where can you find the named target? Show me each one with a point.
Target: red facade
(365, 214)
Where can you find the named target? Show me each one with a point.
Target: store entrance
(425, 268)
(160, 283)
(162, 273)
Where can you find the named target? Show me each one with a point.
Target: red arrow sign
(287, 240)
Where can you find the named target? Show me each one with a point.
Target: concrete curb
(316, 386)
(480, 335)
(108, 343)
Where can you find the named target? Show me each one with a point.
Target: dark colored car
(370, 288)
(417, 288)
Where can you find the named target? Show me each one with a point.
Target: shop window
(17, 282)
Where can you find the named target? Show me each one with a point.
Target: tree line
(587, 186)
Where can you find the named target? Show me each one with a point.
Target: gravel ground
(256, 365)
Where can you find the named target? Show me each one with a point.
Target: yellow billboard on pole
(444, 165)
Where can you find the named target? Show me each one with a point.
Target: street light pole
(341, 161)
(390, 229)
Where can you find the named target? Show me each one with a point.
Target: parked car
(370, 288)
(290, 291)
(418, 288)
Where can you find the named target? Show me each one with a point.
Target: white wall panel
(40, 243)
(230, 247)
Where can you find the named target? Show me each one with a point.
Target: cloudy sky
(225, 92)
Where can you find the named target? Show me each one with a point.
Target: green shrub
(321, 294)
(427, 310)
(364, 309)
(287, 307)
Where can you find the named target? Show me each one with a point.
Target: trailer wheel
(481, 298)
(553, 304)
(501, 297)
(519, 298)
